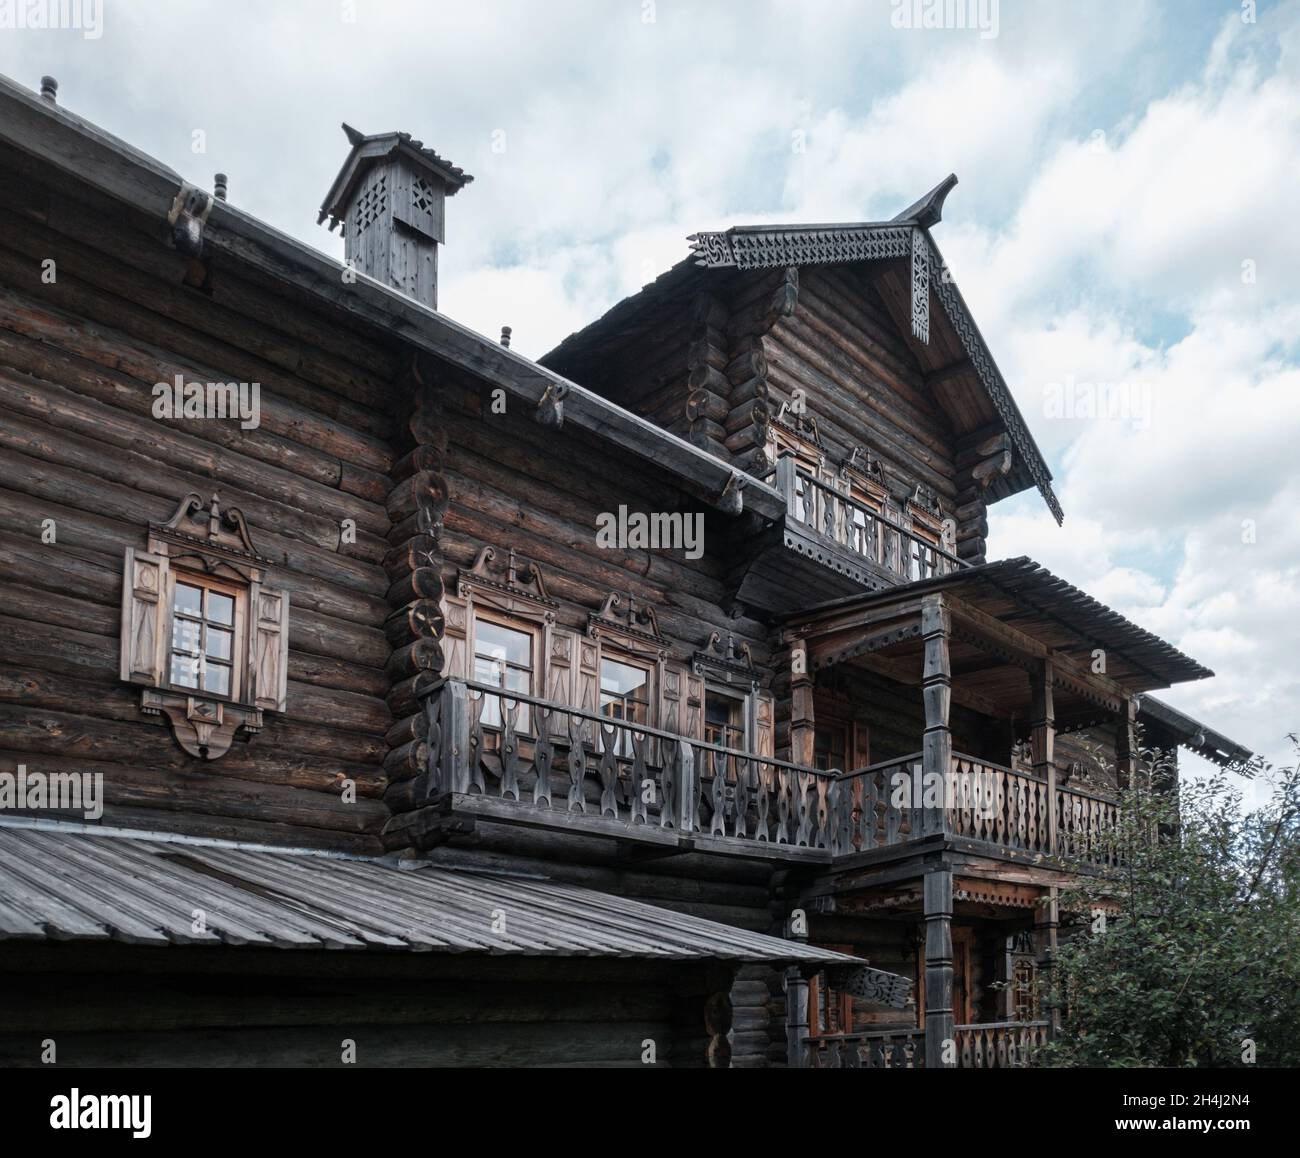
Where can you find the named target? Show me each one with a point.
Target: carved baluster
(510, 752)
(434, 738)
(783, 806)
(639, 779)
(476, 744)
(820, 837)
(765, 779)
(805, 808)
(543, 758)
(577, 765)
(717, 762)
(608, 770)
(743, 773)
(668, 780)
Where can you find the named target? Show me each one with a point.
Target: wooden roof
(1026, 597)
(1191, 733)
(959, 368)
(62, 883)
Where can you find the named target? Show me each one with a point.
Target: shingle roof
(67, 884)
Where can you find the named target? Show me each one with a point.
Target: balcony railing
(528, 760)
(992, 1045)
(893, 801)
(556, 759)
(858, 529)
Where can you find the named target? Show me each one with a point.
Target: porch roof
(1020, 594)
(60, 882)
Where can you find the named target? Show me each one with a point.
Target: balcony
(840, 546)
(993, 1045)
(516, 759)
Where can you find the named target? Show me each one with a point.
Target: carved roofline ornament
(519, 579)
(727, 660)
(906, 236)
(629, 622)
(210, 528)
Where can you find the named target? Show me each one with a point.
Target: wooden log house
(366, 675)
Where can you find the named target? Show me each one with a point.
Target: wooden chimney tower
(390, 199)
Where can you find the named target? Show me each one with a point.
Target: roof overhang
(85, 153)
(64, 883)
(1192, 734)
(1013, 610)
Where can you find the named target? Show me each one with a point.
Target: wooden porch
(993, 1045)
(521, 760)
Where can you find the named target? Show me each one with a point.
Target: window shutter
(144, 617)
(670, 698)
(270, 651)
(694, 717)
(455, 639)
(561, 650)
(764, 739)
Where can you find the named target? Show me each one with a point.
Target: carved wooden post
(785, 483)
(1126, 749)
(1046, 920)
(455, 747)
(1043, 744)
(802, 733)
(796, 1019)
(939, 1024)
(936, 691)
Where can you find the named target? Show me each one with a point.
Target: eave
(89, 155)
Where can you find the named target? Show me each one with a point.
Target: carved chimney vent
(389, 198)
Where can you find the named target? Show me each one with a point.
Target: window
(624, 695)
(203, 634)
(503, 657)
(830, 747)
(724, 719)
(203, 648)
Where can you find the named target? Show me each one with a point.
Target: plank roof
(65, 883)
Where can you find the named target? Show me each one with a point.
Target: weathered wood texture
(211, 1007)
(84, 463)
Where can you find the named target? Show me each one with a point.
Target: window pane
(221, 608)
(518, 680)
(189, 599)
(617, 679)
(184, 674)
(217, 679)
(185, 636)
(497, 642)
(488, 671)
(220, 643)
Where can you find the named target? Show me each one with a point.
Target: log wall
(79, 355)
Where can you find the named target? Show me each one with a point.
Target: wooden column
(796, 1019)
(940, 1037)
(1046, 920)
(1126, 749)
(936, 692)
(1042, 738)
(802, 731)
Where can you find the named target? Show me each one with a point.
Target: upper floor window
(624, 691)
(503, 657)
(205, 652)
(724, 719)
(201, 631)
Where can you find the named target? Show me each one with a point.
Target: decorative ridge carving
(767, 247)
(209, 526)
(727, 658)
(516, 578)
(636, 621)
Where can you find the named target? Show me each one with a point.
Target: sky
(1124, 230)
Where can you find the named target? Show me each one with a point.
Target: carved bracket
(188, 214)
(204, 728)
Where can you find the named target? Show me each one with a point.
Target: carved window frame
(211, 547)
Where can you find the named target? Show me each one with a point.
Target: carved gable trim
(630, 625)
